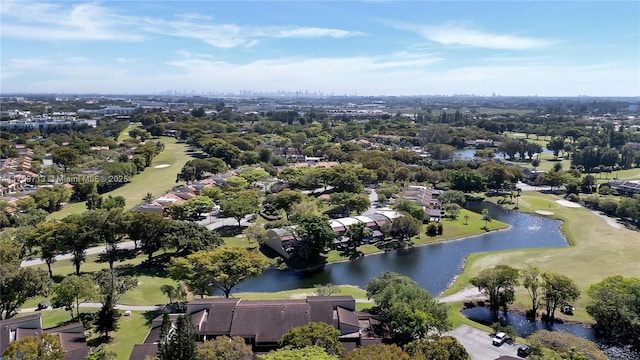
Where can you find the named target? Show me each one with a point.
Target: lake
(432, 266)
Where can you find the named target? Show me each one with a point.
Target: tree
(41, 347)
(532, 281)
(181, 343)
(148, 229)
(254, 175)
(453, 210)
(411, 310)
(614, 306)
(240, 205)
(468, 181)
(189, 237)
(75, 237)
(314, 334)
(415, 210)
(66, 156)
(499, 284)
(557, 290)
(486, 217)
(284, 200)
(17, 284)
(222, 269)
(453, 196)
(309, 352)
(109, 227)
(378, 352)
(314, 236)
(224, 348)
(43, 235)
(438, 348)
(114, 202)
(110, 288)
(556, 145)
(404, 228)
(174, 293)
(72, 290)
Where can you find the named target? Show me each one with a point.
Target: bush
(573, 197)
(563, 343)
(509, 330)
(608, 206)
(432, 229)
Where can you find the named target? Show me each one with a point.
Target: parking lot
(478, 344)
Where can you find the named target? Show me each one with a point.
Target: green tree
(557, 290)
(189, 237)
(110, 288)
(174, 293)
(240, 205)
(453, 196)
(404, 228)
(556, 145)
(453, 210)
(148, 198)
(486, 217)
(224, 348)
(309, 352)
(72, 290)
(66, 156)
(284, 200)
(378, 352)
(147, 230)
(532, 281)
(415, 210)
(438, 348)
(114, 202)
(314, 236)
(411, 310)
(614, 307)
(180, 343)
(17, 284)
(42, 347)
(314, 334)
(222, 269)
(499, 284)
(254, 175)
(468, 181)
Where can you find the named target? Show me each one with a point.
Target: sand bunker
(161, 166)
(567, 203)
(542, 212)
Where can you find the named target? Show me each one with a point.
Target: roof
(268, 321)
(347, 317)
(141, 351)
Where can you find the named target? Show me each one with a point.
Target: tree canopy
(499, 284)
(319, 334)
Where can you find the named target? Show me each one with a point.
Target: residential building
(424, 196)
(262, 323)
(72, 337)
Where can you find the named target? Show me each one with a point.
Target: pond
(433, 266)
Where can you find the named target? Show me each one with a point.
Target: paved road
(478, 344)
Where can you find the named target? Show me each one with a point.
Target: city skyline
(364, 48)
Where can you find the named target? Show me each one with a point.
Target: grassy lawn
(124, 135)
(598, 251)
(155, 181)
(345, 290)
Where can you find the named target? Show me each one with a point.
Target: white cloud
(453, 34)
(124, 60)
(48, 22)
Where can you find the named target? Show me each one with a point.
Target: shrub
(432, 229)
(573, 197)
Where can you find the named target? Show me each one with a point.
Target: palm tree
(487, 218)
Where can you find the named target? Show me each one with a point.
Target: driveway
(478, 344)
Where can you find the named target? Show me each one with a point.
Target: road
(99, 305)
(478, 343)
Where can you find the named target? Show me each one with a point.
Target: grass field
(155, 181)
(598, 250)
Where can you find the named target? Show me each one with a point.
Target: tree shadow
(149, 316)
(120, 255)
(352, 253)
(156, 268)
(229, 231)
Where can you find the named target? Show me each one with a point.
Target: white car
(499, 339)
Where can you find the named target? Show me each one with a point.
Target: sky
(365, 48)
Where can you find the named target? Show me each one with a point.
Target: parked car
(42, 305)
(524, 351)
(567, 309)
(499, 339)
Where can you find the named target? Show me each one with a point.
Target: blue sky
(545, 48)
